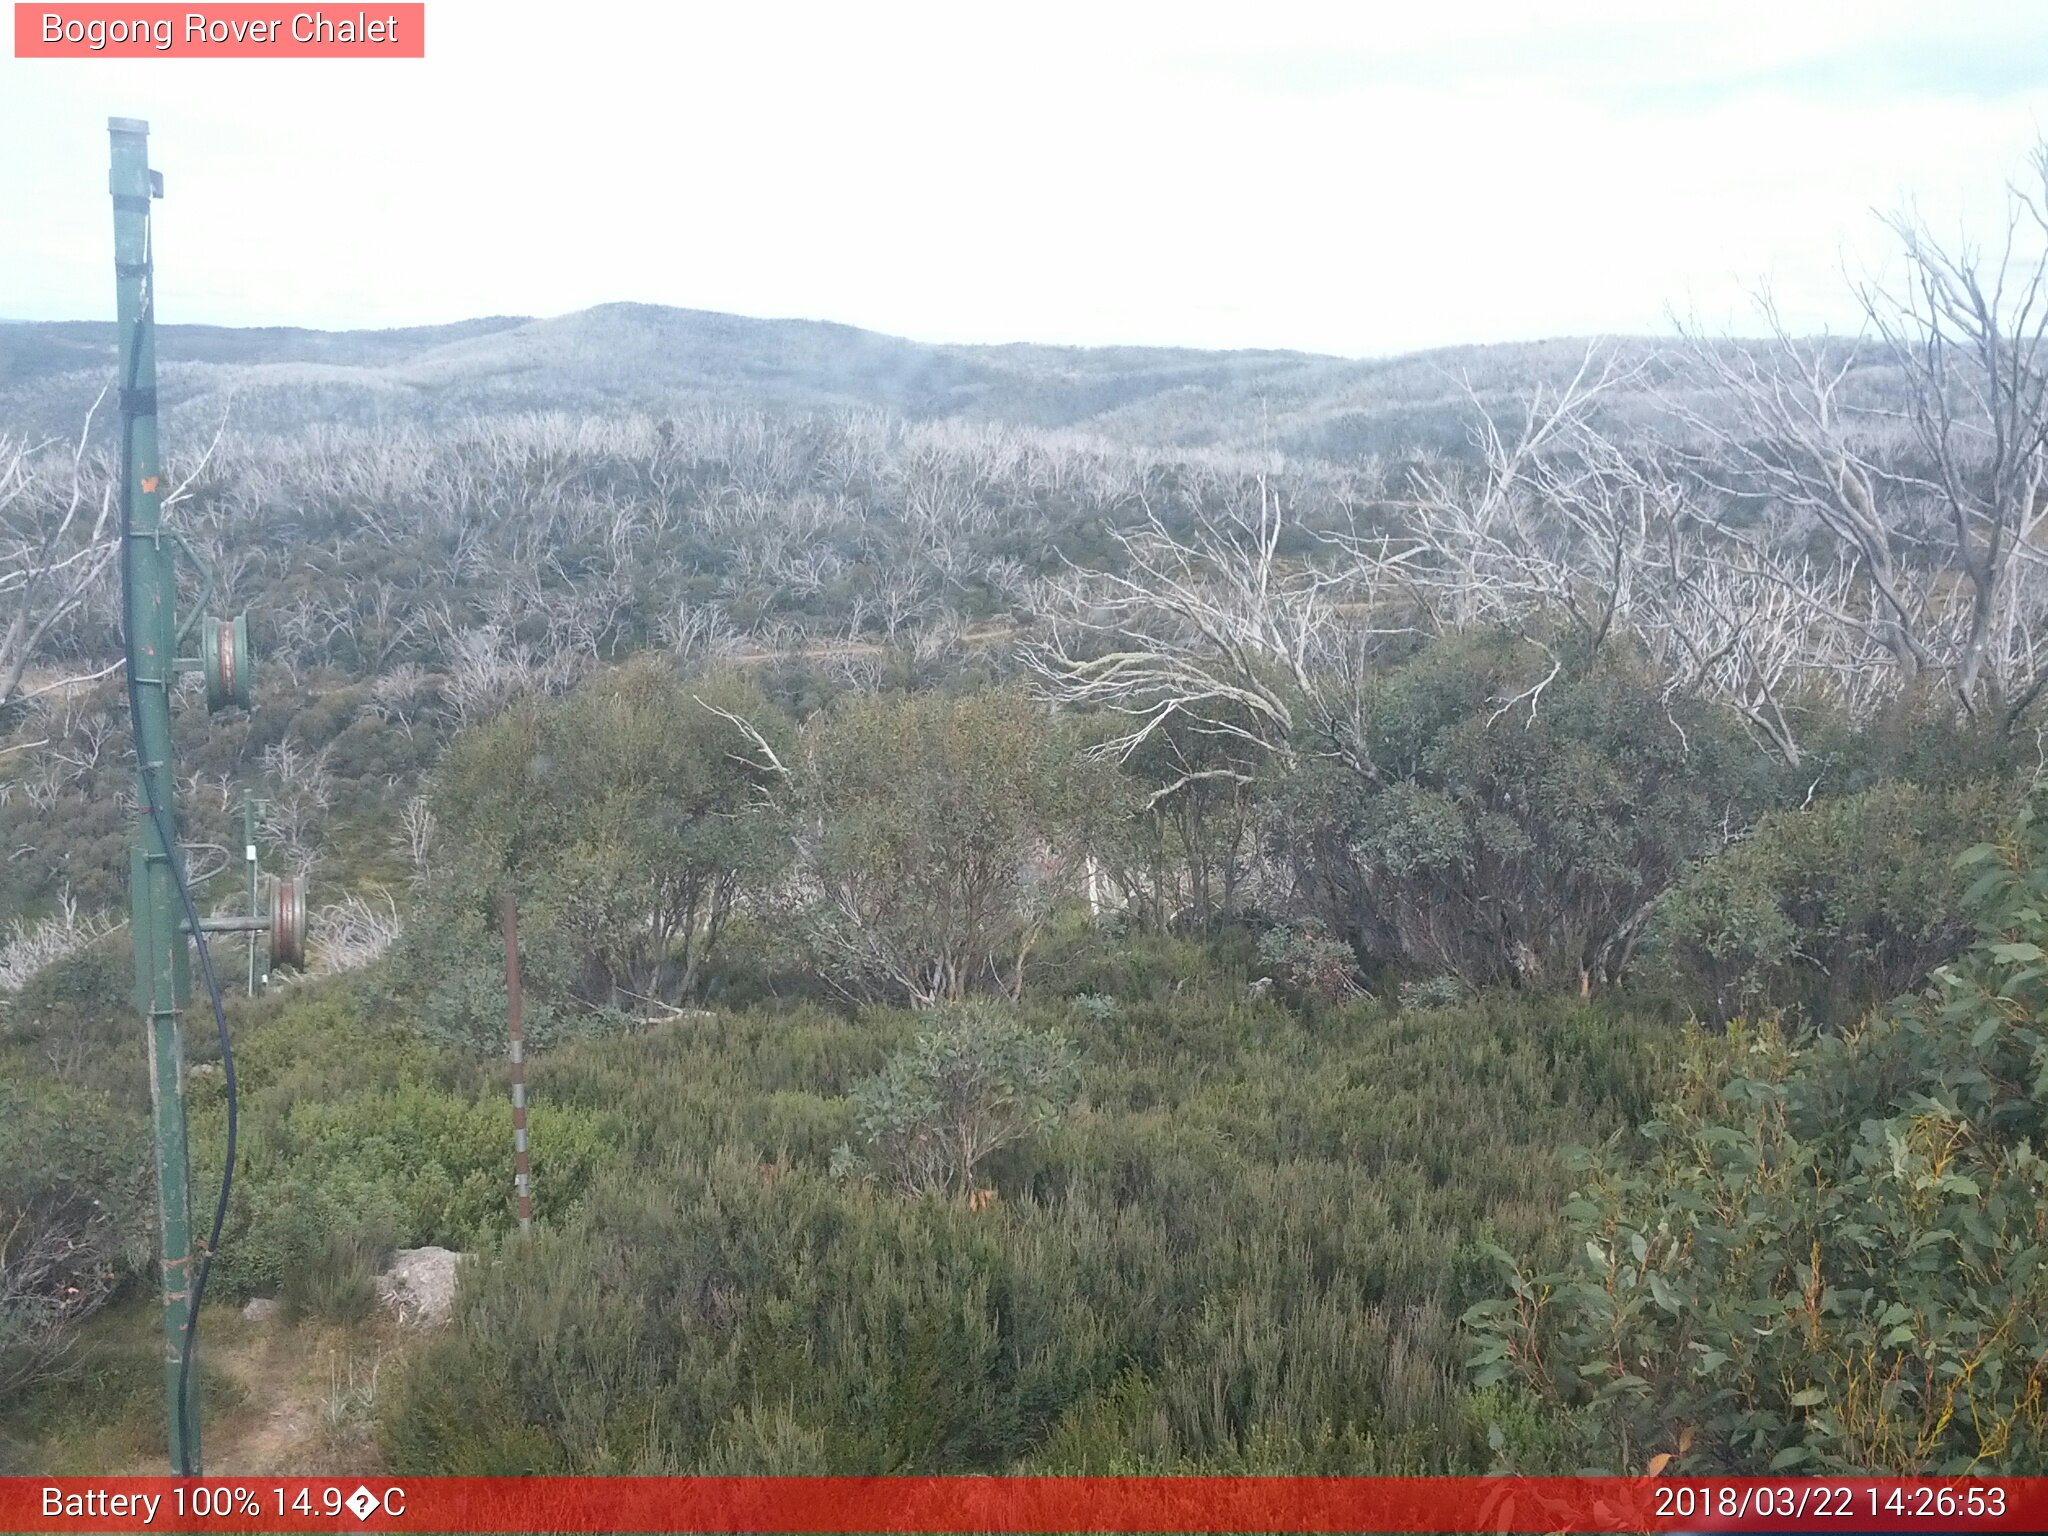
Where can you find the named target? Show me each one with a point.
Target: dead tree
(1545, 523)
(1920, 453)
(57, 540)
(1218, 629)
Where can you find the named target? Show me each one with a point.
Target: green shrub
(338, 1279)
(105, 1405)
(973, 1081)
(74, 1205)
(1310, 964)
(362, 1135)
(1831, 908)
(939, 834)
(628, 816)
(1095, 1007)
(75, 1020)
(1831, 1257)
(1444, 991)
(1520, 845)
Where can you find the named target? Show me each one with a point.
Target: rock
(418, 1285)
(262, 1309)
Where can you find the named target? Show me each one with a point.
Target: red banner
(1022, 1504)
(227, 31)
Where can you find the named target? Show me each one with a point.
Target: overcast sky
(1352, 178)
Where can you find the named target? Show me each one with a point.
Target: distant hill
(647, 357)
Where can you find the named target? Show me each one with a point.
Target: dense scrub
(358, 1136)
(1826, 1254)
(1240, 1237)
(1244, 1244)
(1528, 844)
(1833, 908)
(1244, 1248)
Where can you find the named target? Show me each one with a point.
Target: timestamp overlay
(1023, 1504)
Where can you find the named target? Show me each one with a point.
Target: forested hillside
(626, 357)
(1082, 911)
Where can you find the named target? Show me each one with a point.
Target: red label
(233, 31)
(1843, 1505)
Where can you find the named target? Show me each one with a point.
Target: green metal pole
(161, 978)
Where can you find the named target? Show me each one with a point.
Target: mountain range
(651, 358)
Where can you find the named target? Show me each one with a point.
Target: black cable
(160, 819)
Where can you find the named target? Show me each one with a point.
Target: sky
(1358, 178)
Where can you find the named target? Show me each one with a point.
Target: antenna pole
(522, 1172)
(162, 969)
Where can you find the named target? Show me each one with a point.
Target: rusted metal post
(522, 1173)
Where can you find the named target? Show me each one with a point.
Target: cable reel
(287, 921)
(229, 665)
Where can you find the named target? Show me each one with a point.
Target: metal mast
(162, 975)
(161, 909)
